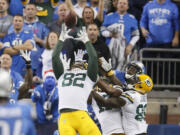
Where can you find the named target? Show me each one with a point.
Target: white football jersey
(74, 87)
(133, 113)
(110, 119)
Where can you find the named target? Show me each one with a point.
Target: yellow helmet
(144, 85)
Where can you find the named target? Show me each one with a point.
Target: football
(70, 19)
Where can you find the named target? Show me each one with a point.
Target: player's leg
(65, 126)
(86, 125)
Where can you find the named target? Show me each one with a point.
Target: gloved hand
(79, 55)
(83, 36)
(64, 33)
(65, 61)
(118, 91)
(25, 54)
(107, 66)
(118, 87)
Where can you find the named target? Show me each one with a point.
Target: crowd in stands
(29, 31)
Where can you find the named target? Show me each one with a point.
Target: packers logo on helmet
(144, 84)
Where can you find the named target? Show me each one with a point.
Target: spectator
(5, 19)
(45, 97)
(88, 15)
(81, 4)
(40, 33)
(159, 24)
(16, 118)
(56, 25)
(99, 45)
(47, 53)
(20, 87)
(45, 9)
(16, 41)
(160, 27)
(121, 32)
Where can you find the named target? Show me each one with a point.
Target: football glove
(64, 33)
(83, 36)
(65, 61)
(79, 55)
(25, 54)
(107, 66)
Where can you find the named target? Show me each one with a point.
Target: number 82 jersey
(133, 119)
(74, 87)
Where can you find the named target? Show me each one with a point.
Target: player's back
(74, 88)
(109, 118)
(134, 112)
(15, 119)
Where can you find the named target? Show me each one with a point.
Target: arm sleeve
(144, 18)
(134, 37)
(56, 61)
(92, 62)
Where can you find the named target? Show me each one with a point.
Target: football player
(110, 118)
(15, 119)
(132, 69)
(75, 85)
(133, 105)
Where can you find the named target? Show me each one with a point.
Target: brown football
(70, 19)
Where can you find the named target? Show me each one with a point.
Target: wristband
(28, 64)
(110, 73)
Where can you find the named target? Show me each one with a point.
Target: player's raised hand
(106, 65)
(79, 55)
(65, 61)
(25, 54)
(83, 36)
(64, 33)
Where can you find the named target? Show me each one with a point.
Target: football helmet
(144, 84)
(5, 83)
(134, 68)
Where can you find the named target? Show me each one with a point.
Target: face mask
(49, 83)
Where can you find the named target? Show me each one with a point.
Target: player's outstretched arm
(92, 62)
(92, 56)
(56, 61)
(23, 90)
(109, 90)
(113, 102)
